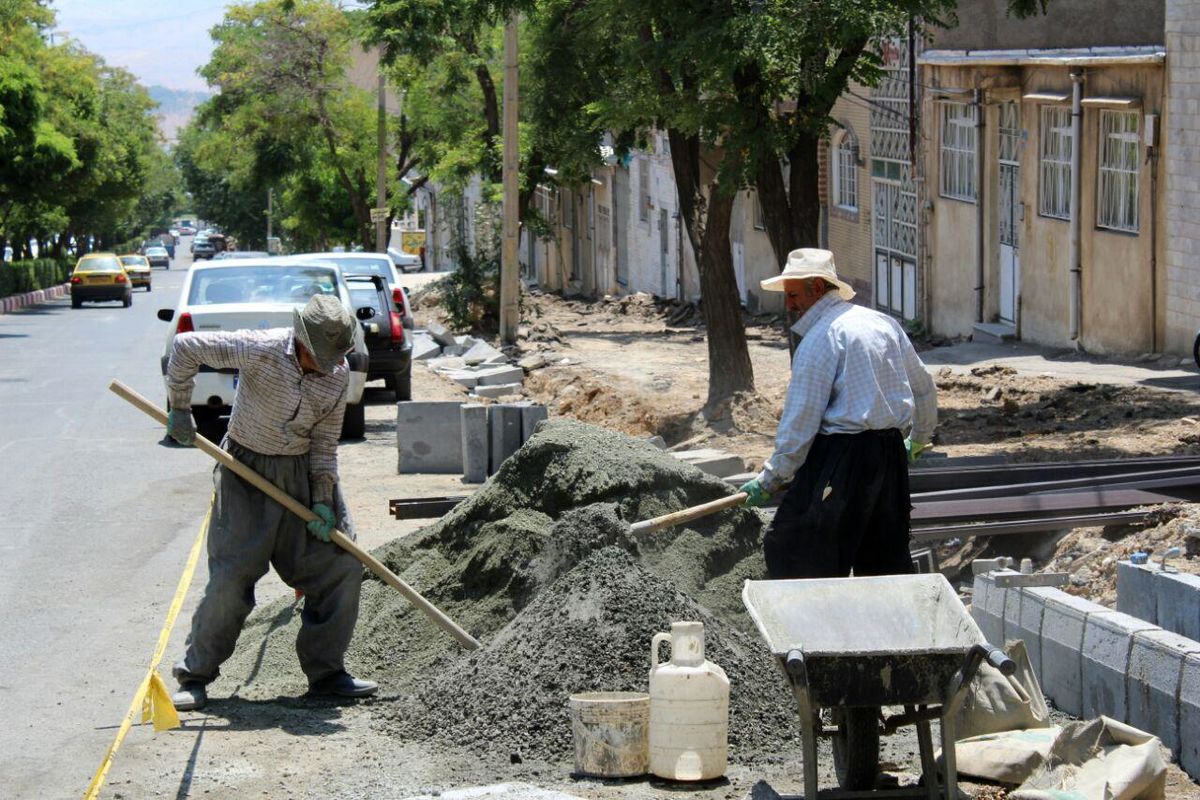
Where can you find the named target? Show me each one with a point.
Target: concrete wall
(849, 234)
(985, 25)
(758, 257)
(1118, 307)
(1181, 131)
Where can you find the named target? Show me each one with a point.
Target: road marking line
(152, 696)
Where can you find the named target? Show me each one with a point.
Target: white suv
(257, 293)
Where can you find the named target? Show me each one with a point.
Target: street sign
(379, 215)
(412, 241)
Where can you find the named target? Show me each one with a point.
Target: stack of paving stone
(472, 363)
(449, 437)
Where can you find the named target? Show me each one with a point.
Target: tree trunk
(491, 119)
(707, 216)
(791, 211)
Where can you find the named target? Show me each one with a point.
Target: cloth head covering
(326, 330)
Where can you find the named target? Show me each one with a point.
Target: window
(1057, 144)
(760, 221)
(958, 151)
(568, 208)
(644, 189)
(844, 175)
(1117, 206)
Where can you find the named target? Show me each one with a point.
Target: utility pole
(510, 311)
(381, 174)
(270, 213)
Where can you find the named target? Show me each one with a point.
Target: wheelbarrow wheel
(856, 747)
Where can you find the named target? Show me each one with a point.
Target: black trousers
(847, 509)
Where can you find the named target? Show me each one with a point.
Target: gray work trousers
(249, 531)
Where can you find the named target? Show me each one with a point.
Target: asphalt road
(96, 520)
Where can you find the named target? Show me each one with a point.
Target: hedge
(18, 277)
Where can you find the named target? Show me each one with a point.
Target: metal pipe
(979, 174)
(1152, 156)
(1075, 299)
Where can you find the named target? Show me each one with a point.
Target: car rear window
(365, 294)
(363, 266)
(102, 264)
(156, 251)
(133, 261)
(260, 285)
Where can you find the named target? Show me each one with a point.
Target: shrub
(19, 277)
(470, 294)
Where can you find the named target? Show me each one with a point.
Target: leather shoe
(343, 684)
(190, 697)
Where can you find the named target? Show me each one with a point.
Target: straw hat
(809, 262)
(326, 330)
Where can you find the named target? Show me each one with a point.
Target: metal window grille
(958, 151)
(1010, 132)
(568, 208)
(1057, 142)
(644, 189)
(1117, 207)
(845, 174)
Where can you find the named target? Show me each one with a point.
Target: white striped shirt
(278, 409)
(855, 370)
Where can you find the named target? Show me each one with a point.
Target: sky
(161, 42)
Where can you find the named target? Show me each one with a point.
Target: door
(739, 269)
(1009, 189)
(895, 235)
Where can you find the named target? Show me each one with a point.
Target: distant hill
(174, 108)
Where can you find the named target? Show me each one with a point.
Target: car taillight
(398, 299)
(120, 278)
(76, 279)
(185, 323)
(397, 330)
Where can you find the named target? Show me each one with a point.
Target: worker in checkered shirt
(859, 410)
(287, 413)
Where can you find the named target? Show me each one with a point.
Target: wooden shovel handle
(688, 514)
(287, 501)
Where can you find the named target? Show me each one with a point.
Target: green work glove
(181, 427)
(321, 528)
(914, 449)
(757, 495)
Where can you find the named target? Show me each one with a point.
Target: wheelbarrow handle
(999, 659)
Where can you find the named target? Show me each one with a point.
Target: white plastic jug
(689, 708)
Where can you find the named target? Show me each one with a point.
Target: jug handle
(658, 639)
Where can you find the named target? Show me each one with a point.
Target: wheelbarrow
(854, 646)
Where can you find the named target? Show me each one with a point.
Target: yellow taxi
(137, 268)
(100, 276)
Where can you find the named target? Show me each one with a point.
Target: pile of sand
(518, 543)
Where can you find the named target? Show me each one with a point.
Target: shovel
(688, 514)
(279, 496)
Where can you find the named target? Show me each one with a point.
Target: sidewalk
(1026, 359)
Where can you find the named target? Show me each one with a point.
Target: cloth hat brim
(775, 284)
(326, 360)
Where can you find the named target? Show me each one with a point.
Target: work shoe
(190, 697)
(343, 684)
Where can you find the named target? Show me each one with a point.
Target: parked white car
(405, 262)
(257, 293)
(369, 264)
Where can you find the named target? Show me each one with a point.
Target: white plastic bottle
(689, 708)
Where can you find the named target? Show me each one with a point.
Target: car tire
(354, 424)
(76, 302)
(148, 287)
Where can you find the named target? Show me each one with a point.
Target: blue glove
(181, 427)
(758, 496)
(914, 450)
(321, 528)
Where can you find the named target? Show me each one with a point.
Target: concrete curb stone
(476, 442)
(1178, 597)
(1029, 625)
(429, 437)
(505, 424)
(1063, 623)
(19, 301)
(1107, 642)
(980, 595)
(1136, 592)
(1154, 681)
(996, 598)
(1189, 716)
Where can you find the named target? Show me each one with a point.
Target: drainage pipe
(1073, 258)
(979, 175)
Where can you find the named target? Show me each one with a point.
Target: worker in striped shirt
(287, 415)
(860, 408)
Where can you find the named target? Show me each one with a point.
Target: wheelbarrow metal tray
(871, 641)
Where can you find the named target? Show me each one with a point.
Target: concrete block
(429, 437)
(480, 353)
(476, 442)
(1135, 591)
(441, 363)
(503, 390)
(1063, 622)
(1152, 687)
(1107, 640)
(464, 378)
(996, 599)
(494, 376)
(1178, 598)
(1189, 717)
(714, 462)
(1012, 615)
(441, 335)
(988, 623)
(1029, 625)
(531, 415)
(505, 424)
(424, 347)
(453, 350)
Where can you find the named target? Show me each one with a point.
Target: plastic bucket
(611, 733)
